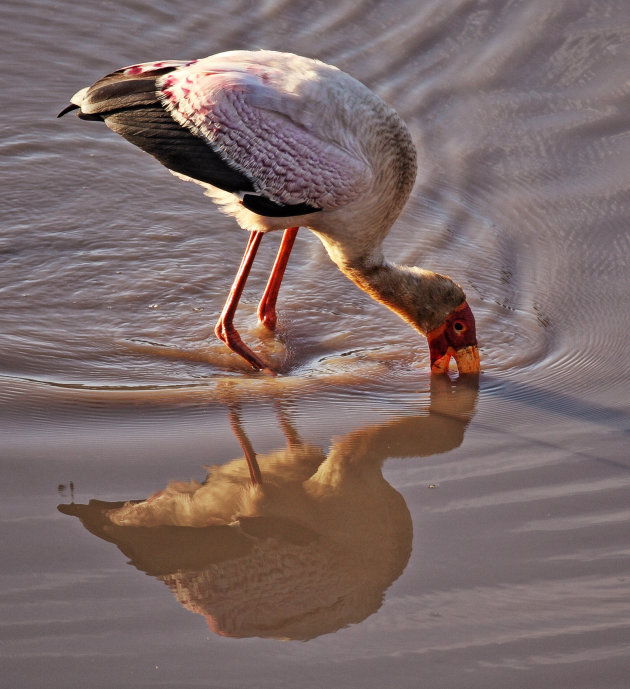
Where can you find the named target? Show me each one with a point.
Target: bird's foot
(228, 334)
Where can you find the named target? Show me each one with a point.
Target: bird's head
(456, 338)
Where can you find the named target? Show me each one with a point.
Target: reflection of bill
(310, 549)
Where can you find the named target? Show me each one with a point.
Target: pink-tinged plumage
(254, 115)
(281, 141)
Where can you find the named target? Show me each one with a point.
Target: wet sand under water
(409, 531)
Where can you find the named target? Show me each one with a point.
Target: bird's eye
(459, 326)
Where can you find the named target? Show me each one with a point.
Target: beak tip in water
(466, 358)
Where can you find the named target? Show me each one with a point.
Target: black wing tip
(67, 109)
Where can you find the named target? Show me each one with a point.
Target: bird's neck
(421, 297)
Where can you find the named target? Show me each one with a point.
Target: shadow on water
(304, 547)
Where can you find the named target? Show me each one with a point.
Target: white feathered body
(303, 132)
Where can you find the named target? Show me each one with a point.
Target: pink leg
(224, 328)
(267, 306)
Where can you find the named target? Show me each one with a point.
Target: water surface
(409, 532)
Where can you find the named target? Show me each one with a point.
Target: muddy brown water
(409, 532)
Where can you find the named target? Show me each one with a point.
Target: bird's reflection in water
(310, 548)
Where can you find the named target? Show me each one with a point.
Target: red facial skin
(457, 338)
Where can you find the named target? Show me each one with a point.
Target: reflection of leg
(267, 306)
(224, 328)
(250, 454)
(288, 429)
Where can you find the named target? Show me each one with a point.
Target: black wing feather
(152, 129)
(264, 206)
(129, 105)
